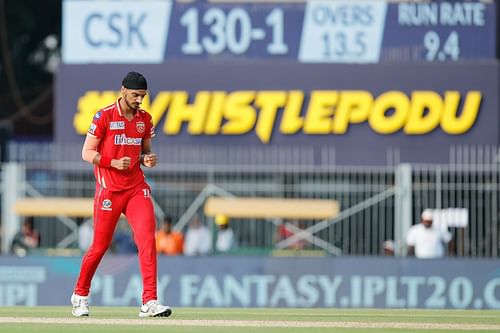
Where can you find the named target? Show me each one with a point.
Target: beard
(131, 106)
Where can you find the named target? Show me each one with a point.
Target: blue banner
(374, 282)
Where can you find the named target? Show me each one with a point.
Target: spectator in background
(225, 235)
(169, 242)
(286, 230)
(25, 239)
(388, 248)
(197, 240)
(424, 241)
(85, 235)
(123, 239)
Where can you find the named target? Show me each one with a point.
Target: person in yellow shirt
(169, 242)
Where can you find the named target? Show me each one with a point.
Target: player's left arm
(148, 158)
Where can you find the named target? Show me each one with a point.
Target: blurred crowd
(423, 240)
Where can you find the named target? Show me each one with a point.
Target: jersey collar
(119, 108)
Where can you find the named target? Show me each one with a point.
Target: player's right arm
(91, 155)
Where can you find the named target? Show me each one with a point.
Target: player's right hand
(121, 164)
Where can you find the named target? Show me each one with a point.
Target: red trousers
(137, 206)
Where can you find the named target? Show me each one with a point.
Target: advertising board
(373, 282)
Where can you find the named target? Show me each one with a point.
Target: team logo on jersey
(106, 204)
(140, 126)
(117, 125)
(97, 115)
(92, 128)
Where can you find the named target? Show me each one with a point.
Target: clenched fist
(150, 160)
(121, 164)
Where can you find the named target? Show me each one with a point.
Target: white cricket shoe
(80, 305)
(154, 309)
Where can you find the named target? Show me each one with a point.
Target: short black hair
(135, 80)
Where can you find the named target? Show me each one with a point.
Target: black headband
(134, 80)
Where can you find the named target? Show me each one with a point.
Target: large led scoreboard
(319, 31)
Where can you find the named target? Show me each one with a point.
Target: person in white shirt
(85, 235)
(198, 239)
(424, 241)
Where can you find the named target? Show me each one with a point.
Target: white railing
(377, 203)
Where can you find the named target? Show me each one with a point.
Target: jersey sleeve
(98, 125)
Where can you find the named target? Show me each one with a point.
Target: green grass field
(211, 320)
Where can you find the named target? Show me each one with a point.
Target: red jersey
(120, 137)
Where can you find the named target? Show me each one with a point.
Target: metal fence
(474, 187)
(366, 196)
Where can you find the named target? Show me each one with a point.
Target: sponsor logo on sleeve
(92, 128)
(97, 115)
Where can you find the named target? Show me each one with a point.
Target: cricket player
(118, 142)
